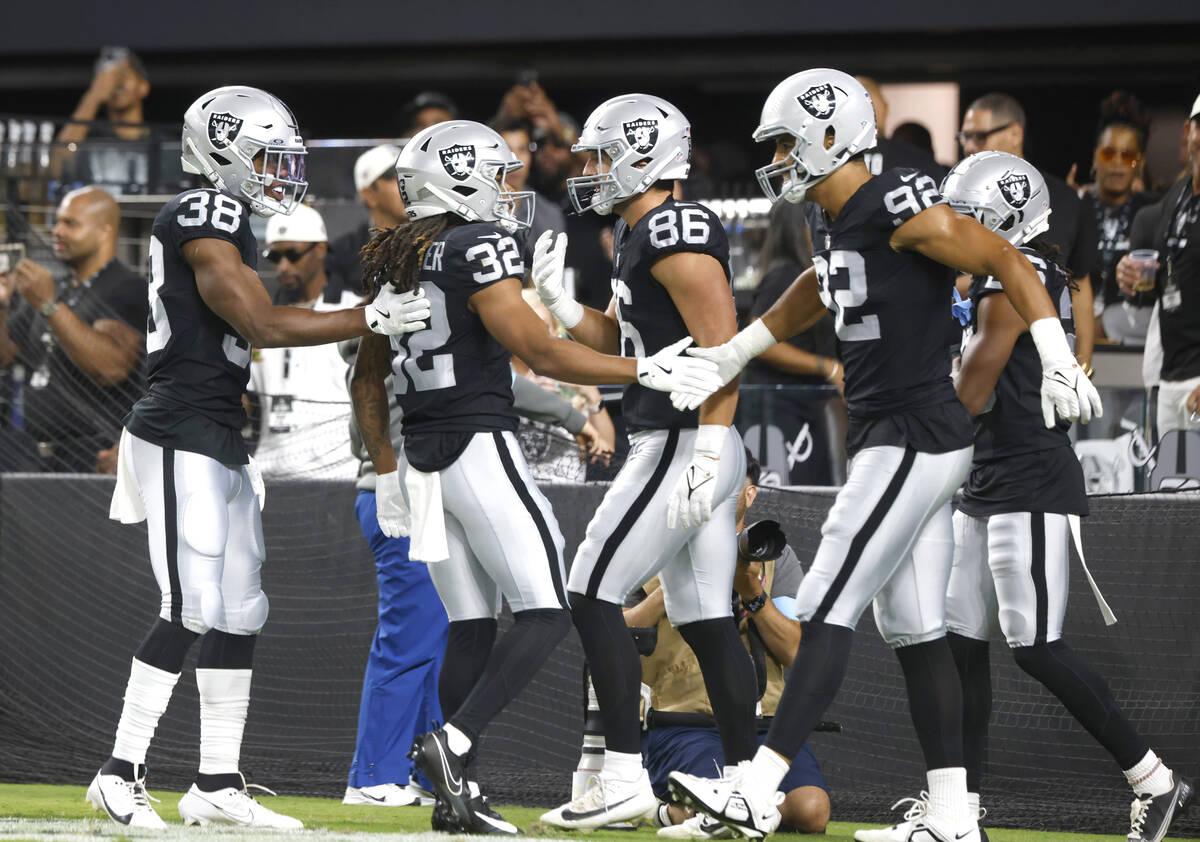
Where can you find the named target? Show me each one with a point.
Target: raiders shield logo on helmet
(818, 101)
(458, 160)
(223, 129)
(1015, 189)
(642, 134)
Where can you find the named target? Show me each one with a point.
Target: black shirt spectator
(375, 180)
(80, 340)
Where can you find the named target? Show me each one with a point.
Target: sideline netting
(76, 595)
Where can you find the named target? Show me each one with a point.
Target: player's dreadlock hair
(394, 255)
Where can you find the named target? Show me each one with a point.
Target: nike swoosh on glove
(546, 272)
(397, 312)
(390, 508)
(1065, 388)
(1067, 391)
(690, 503)
(668, 371)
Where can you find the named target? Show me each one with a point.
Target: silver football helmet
(809, 106)
(643, 138)
(1005, 193)
(459, 167)
(224, 133)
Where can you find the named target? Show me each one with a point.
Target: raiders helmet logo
(1015, 189)
(459, 161)
(223, 129)
(818, 101)
(642, 134)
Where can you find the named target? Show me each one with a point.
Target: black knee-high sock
(934, 700)
(165, 646)
(1067, 675)
(730, 681)
(515, 660)
(468, 647)
(812, 683)
(975, 676)
(616, 670)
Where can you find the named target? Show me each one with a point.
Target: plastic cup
(1146, 262)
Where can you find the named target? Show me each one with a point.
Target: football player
(478, 517)
(1010, 556)
(882, 245)
(670, 277)
(183, 466)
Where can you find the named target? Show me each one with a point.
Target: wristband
(710, 439)
(568, 311)
(753, 340)
(1051, 341)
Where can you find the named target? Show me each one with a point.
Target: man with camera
(682, 734)
(76, 346)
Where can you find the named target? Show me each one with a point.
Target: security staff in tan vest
(682, 734)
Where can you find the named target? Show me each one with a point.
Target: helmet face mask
(246, 143)
(637, 140)
(1004, 193)
(461, 167)
(811, 106)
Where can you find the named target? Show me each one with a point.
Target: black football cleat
(445, 770)
(1150, 816)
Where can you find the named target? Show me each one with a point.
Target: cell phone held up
(110, 56)
(10, 255)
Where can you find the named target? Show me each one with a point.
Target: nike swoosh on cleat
(376, 799)
(963, 835)
(126, 819)
(456, 784)
(587, 814)
(498, 823)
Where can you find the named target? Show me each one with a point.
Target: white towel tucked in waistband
(127, 505)
(428, 536)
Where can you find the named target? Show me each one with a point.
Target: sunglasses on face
(293, 255)
(980, 136)
(1106, 155)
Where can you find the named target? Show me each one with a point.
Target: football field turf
(45, 812)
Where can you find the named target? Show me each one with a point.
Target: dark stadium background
(348, 68)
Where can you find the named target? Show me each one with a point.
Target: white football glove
(668, 371)
(397, 312)
(730, 359)
(1065, 388)
(690, 503)
(549, 258)
(390, 508)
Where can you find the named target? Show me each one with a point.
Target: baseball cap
(373, 163)
(303, 226)
(1196, 108)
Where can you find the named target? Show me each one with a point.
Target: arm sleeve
(537, 404)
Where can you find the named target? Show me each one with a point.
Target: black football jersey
(889, 311)
(197, 364)
(454, 377)
(1014, 468)
(646, 314)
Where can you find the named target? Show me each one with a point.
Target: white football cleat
(126, 802)
(381, 795)
(721, 799)
(917, 807)
(698, 826)
(231, 806)
(931, 828)
(607, 801)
